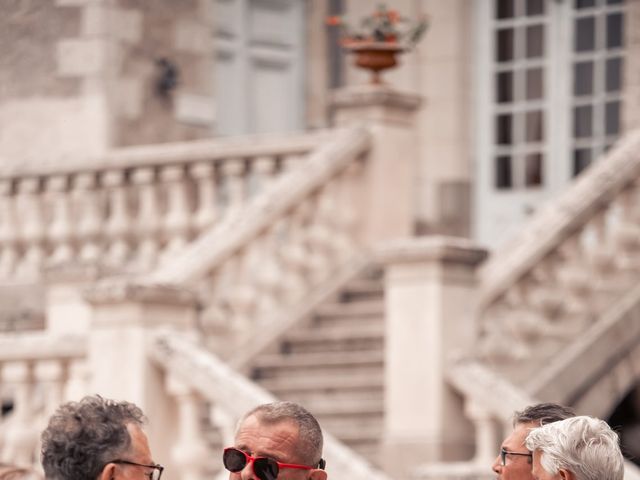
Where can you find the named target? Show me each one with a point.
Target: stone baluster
(20, 432)
(189, 453)
(89, 216)
(119, 223)
(295, 256)
(148, 221)
(318, 237)
(291, 161)
(60, 227)
(177, 219)
(268, 274)
(225, 422)
(264, 169)
(242, 297)
(32, 227)
(627, 235)
(51, 375)
(233, 171)
(485, 432)
(8, 230)
(350, 196)
(206, 214)
(77, 380)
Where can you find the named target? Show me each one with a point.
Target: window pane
(535, 41)
(533, 170)
(535, 7)
(612, 114)
(503, 172)
(503, 129)
(581, 160)
(585, 36)
(615, 30)
(504, 8)
(535, 88)
(585, 3)
(504, 45)
(583, 78)
(582, 121)
(534, 126)
(504, 87)
(614, 74)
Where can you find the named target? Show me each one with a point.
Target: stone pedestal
(124, 317)
(392, 161)
(430, 314)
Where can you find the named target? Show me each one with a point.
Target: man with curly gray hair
(578, 448)
(97, 439)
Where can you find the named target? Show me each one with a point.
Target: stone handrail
(559, 220)
(268, 257)
(572, 262)
(234, 394)
(134, 205)
(38, 373)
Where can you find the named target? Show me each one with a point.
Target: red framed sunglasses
(264, 468)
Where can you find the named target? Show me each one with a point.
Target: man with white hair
(578, 448)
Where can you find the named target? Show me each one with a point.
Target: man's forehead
(519, 434)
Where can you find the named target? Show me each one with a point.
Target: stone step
(350, 313)
(308, 385)
(333, 338)
(362, 289)
(341, 361)
(344, 405)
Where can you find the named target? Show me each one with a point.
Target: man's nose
(496, 466)
(247, 472)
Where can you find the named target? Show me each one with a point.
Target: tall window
(519, 116)
(549, 101)
(598, 43)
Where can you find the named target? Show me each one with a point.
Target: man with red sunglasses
(276, 440)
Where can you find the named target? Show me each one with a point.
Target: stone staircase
(333, 364)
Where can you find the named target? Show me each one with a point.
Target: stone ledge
(369, 95)
(431, 248)
(116, 291)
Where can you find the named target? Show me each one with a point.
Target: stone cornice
(431, 249)
(370, 95)
(116, 291)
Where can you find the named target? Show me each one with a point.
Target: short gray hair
(543, 413)
(585, 446)
(309, 431)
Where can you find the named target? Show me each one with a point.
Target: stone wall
(80, 77)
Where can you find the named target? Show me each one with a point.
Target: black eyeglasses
(504, 453)
(264, 468)
(154, 474)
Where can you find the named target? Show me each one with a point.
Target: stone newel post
(429, 302)
(392, 161)
(124, 318)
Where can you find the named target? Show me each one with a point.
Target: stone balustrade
(258, 264)
(135, 206)
(569, 264)
(36, 375)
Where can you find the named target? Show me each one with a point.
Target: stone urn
(375, 57)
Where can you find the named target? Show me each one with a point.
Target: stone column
(392, 161)
(124, 318)
(430, 290)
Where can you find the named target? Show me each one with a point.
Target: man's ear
(566, 474)
(108, 472)
(317, 474)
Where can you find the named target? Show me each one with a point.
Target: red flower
(334, 21)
